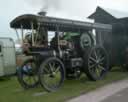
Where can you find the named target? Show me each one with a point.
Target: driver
(26, 45)
(62, 43)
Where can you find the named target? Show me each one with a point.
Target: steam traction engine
(71, 51)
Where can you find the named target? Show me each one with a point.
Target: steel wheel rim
(51, 75)
(98, 62)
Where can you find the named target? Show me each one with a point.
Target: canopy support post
(58, 40)
(17, 35)
(22, 33)
(37, 33)
(32, 33)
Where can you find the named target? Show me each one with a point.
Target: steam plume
(45, 5)
(65, 8)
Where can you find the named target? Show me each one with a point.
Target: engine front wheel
(27, 74)
(51, 74)
(96, 63)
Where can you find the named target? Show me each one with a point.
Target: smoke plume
(65, 8)
(45, 5)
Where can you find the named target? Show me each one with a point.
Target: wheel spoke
(57, 69)
(101, 67)
(97, 71)
(46, 70)
(34, 78)
(92, 66)
(30, 80)
(51, 67)
(94, 60)
(102, 59)
(26, 79)
(95, 54)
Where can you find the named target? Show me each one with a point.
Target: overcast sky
(73, 9)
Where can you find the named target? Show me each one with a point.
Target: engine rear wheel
(96, 63)
(27, 74)
(51, 74)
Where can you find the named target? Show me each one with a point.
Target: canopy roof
(25, 21)
(51, 23)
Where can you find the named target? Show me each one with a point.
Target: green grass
(10, 90)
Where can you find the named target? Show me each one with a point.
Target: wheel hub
(97, 61)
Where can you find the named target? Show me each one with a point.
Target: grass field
(11, 91)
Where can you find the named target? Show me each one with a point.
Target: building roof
(116, 13)
(98, 12)
(113, 13)
(118, 20)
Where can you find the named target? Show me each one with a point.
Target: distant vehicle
(7, 57)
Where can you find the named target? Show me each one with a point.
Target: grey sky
(73, 9)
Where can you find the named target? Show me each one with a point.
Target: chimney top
(42, 13)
